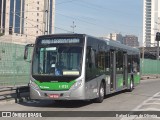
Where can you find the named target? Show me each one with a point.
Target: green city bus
(81, 67)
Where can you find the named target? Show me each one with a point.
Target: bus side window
(90, 58)
(107, 60)
(90, 64)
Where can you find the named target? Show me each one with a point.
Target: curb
(8, 98)
(8, 101)
(150, 77)
(13, 94)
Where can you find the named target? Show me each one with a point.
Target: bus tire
(131, 85)
(100, 94)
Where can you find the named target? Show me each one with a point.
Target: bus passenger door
(125, 70)
(112, 70)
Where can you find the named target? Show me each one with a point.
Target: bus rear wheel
(131, 86)
(100, 94)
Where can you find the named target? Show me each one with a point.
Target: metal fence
(150, 67)
(13, 69)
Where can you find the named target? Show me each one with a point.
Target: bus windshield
(57, 60)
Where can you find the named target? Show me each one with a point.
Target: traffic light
(158, 36)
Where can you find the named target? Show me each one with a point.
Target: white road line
(139, 107)
(143, 103)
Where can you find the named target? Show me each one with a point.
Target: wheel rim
(131, 85)
(102, 92)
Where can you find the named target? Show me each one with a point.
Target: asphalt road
(145, 97)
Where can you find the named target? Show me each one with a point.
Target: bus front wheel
(100, 94)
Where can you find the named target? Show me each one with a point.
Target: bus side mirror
(26, 52)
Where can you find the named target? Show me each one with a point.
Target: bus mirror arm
(26, 52)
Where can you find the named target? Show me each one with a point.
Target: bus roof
(108, 41)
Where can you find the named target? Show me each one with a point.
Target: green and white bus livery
(81, 67)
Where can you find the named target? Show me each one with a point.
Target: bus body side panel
(136, 79)
(107, 81)
(94, 74)
(92, 87)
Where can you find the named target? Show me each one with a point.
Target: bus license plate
(53, 95)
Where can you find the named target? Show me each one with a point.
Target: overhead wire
(34, 26)
(93, 6)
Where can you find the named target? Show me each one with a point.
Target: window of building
(37, 14)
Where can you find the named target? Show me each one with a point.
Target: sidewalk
(7, 94)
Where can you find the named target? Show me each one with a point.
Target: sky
(99, 17)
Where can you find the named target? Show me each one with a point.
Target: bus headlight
(33, 84)
(76, 84)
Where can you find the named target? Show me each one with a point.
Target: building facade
(115, 36)
(131, 40)
(26, 19)
(151, 21)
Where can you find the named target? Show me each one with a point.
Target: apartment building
(151, 21)
(25, 19)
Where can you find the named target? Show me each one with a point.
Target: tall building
(131, 40)
(115, 36)
(151, 21)
(26, 19)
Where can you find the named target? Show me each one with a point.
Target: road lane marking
(146, 102)
(149, 103)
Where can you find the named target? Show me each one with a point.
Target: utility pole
(157, 50)
(46, 10)
(73, 26)
(158, 40)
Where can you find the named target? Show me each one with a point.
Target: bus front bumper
(77, 94)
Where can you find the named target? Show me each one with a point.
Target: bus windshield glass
(57, 60)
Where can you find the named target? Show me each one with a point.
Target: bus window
(101, 61)
(119, 61)
(90, 64)
(62, 60)
(107, 60)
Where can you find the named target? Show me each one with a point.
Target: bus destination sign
(59, 41)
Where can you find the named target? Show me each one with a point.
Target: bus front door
(112, 70)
